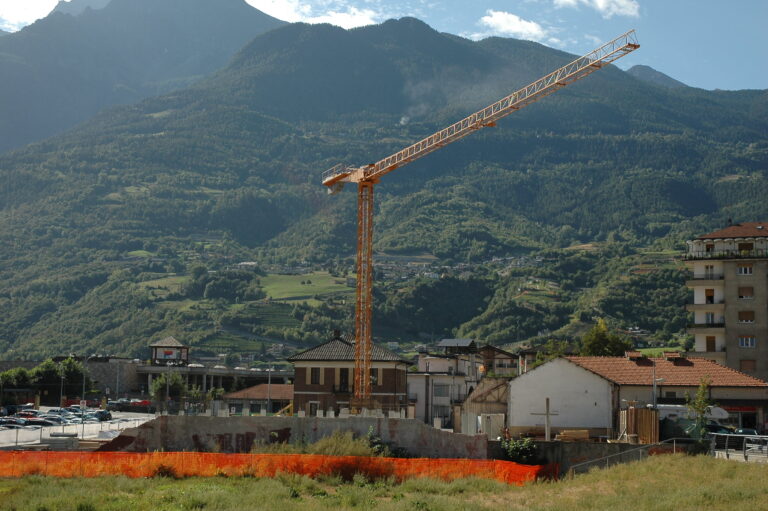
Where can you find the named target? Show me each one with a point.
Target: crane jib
(542, 87)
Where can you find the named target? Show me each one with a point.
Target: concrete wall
(567, 454)
(581, 399)
(238, 434)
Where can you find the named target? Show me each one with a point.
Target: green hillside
(228, 169)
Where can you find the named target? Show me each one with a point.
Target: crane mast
(366, 176)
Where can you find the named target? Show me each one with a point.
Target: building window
(709, 296)
(441, 390)
(314, 376)
(746, 247)
(441, 411)
(709, 318)
(746, 293)
(747, 341)
(709, 271)
(747, 366)
(711, 343)
(709, 247)
(744, 269)
(746, 316)
(670, 395)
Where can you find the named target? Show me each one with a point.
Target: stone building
(729, 279)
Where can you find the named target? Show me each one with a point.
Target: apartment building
(729, 279)
(325, 377)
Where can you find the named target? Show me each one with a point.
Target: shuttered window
(746, 316)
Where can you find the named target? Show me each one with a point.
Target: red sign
(740, 408)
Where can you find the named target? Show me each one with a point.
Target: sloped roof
(686, 372)
(455, 343)
(742, 230)
(338, 349)
(276, 391)
(168, 342)
(490, 347)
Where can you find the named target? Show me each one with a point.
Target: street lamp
(655, 381)
(84, 401)
(269, 388)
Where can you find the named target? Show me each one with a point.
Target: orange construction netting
(189, 464)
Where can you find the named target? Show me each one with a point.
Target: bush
(520, 451)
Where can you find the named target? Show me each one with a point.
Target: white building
(441, 381)
(581, 399)
(588, 392)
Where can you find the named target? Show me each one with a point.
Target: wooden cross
(547, 414)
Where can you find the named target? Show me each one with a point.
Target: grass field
(290, 287)
(670, 482)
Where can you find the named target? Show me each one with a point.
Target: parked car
(103, 415)
(39, 422)
(717, 428)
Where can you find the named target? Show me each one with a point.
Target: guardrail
(745, 445)
(642, 452)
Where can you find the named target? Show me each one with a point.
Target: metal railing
(727, 254)
(745, 445)
(642, 452)
(706, 276)
(706, 325)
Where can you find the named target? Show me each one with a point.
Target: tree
(168, 386)
(74, 374)
(600, 342)
(699, 406)
(47, 377)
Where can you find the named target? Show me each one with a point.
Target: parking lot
(32, 431)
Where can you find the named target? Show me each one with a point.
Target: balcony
(726, 254)
(706, 276)
(706, 328)
(708, 307)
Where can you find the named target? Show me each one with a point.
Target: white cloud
(503, 23)
(15, 14)
(607, 8)
(335, 12)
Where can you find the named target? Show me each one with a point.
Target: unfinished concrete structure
(238, 434)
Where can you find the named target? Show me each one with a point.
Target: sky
(711, 44)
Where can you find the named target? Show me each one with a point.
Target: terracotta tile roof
(742, 230)
(276, 391)
(686, 372)
(168, 342)
(340, 350)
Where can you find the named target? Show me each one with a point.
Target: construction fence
(196, 464)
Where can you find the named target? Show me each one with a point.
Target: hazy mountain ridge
(63, 68)
(237, 158)
(650, 75)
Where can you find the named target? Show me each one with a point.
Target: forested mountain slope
(67, 66)
(235, 159)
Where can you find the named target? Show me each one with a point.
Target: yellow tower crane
(368, 175)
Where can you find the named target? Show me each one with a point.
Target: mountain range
(227, 169)
(87, 55)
